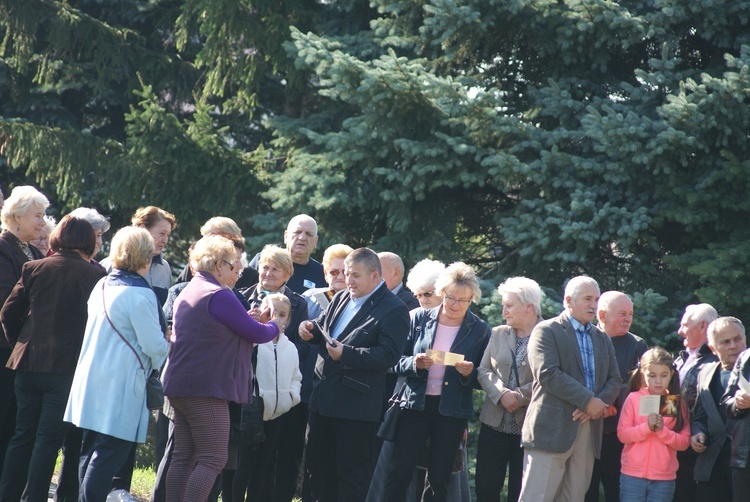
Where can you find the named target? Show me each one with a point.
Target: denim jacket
(456, 398)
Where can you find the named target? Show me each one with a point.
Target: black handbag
(154, 388)
(387, 430)
(247, 419)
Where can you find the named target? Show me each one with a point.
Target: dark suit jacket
(11, 261)
(559, 386)
(741, 431)
(45, 315)
(709, 419)
(407, 297)
(354, 387)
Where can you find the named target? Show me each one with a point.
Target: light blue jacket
(109, 387)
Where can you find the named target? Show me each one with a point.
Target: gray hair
(302, 217)
(575, 284)
(720, 324)
(394, 260)
(97, 221)
(701, 312)
(456, 275)
(527, 290)
(20, 200)
(608, 298)
(49, 223)
(423, 275)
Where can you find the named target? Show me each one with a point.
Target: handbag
(154, 388)
(387, 430)
(247, 420)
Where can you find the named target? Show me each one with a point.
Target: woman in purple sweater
(209, 365)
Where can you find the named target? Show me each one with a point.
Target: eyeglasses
(457, 301)
(231, 266)
(335, 272)
(427, 294)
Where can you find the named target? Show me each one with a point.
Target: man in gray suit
(710, 428)
(575, 380)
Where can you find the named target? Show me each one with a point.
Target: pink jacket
(647, 454)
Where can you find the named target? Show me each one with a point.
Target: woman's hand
(509, 401)
(279, 323)
(422, 361)
(465, 368)
(304, 330)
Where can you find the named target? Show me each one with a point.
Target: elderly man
(575, 380)
(393, 275)
(615, 315)
(694, 330)
(710, 428)
(366, 328)
(300, 238)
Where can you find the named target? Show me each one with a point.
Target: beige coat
(494, 373)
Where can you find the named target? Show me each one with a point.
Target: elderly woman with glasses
(505, 376)
(213, 340)
(421, 281)
(443, 350)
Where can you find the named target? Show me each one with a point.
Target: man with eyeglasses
(393, 275)
(576, 378)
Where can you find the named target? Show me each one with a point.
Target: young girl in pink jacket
(649, 459)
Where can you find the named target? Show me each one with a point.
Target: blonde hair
(20, 200)
(278, 297)
(458, 274)
(335, 251)
(131, 249)
(220, 225)
(209, 250)
(278, 256)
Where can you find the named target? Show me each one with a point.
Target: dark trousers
(607, 471)
(719, 487)
(497, 451)
(685, 486)
(67, 480)
(159, 493)
(254, 474)
(124, 477)
(339, 458)
(40, 431)
(414, 429)
(7, 405)
(740, 482)
(102, 456)
(291, 445)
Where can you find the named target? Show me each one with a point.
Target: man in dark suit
(575, 380)
(710, 428)
(367, 325)
(393, 275)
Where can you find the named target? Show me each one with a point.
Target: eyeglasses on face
(426, 294)
(457, 301)
(335, 272)
(231, 265)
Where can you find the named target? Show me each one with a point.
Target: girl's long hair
(657, 355)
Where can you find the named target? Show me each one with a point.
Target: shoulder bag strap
(104, 304)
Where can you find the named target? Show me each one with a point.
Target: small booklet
(744, 384)
(443, 357)
(324, 332)
(663, 405)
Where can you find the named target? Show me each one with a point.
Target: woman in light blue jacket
(124, 331)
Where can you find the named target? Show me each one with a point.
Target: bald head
(615, 313)
(393, 268)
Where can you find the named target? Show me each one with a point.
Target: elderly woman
(124, 341)
(421, 282)
(42, 242)
(209, 365)
(436, 401)
(505, 376)
(99, 222)
(45, 317)
(23, 220)
(333, 269)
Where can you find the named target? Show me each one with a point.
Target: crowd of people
(570, 403)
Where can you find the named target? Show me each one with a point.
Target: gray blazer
(494, 372)
(560, 385)
(707, 418)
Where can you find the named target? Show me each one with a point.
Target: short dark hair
(367, 257)
(73, 233)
